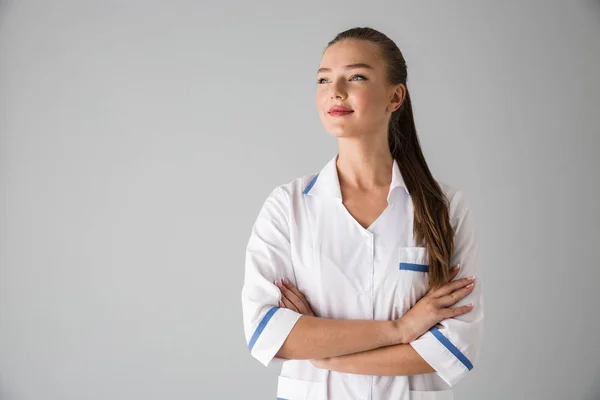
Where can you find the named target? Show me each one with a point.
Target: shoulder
(458, 204)
(284, 195)
(295, 188)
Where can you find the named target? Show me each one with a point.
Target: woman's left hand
(293, 299)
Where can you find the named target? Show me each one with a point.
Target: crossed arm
(325, 335)
(365, 346)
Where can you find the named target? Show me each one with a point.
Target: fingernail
(469, 286)
(470, 305)
(471, 278)
(285, 280)
(455, 267)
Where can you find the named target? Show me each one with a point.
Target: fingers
(456, 311)
(454, 271)
(297, 292)
(285, 302)
(455, 296)
(452, 286)
(292, 298)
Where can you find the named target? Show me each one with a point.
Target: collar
(326, 183)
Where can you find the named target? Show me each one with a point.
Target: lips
(340, 109)
(340, 114)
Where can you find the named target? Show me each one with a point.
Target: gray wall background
(140, 138)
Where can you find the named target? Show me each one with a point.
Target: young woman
(349, 278)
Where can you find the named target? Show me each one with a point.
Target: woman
(349, 278)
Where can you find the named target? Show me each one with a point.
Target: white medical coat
(304, 233)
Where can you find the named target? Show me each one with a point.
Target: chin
(341, 132)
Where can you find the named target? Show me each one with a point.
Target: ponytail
(432, 228)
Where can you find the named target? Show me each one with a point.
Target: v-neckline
(370, 227)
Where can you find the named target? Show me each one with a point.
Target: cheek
(321, 99)
(368, 102)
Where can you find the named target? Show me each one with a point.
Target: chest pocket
(412, 275)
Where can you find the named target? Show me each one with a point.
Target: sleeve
(268, 258)
(453, 346)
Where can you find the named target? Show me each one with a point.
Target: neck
(362, 165)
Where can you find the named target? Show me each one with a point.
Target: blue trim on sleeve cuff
(457, 353)
(261, 326)
(414, 267)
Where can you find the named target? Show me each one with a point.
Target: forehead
(351, 52)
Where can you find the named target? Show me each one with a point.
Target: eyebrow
(347, 67)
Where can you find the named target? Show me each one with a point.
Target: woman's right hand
(435, 306)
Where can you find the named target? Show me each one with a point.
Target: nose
(338, 91)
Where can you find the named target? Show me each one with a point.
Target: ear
(397, 97)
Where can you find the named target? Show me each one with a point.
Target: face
(362, 88)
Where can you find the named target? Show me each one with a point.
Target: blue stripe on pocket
(261, 327)
(414, 267)
(457, 353)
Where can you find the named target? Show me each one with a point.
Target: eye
(319, 81)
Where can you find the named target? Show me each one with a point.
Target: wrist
(401, 334)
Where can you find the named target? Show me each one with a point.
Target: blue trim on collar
(310, 185)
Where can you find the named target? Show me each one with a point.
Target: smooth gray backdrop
(140, 138)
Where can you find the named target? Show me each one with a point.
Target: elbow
(267, 336)
(460, 368)
(453, 359)
(453, 379)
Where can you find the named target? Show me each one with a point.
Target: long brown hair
(432, 228)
